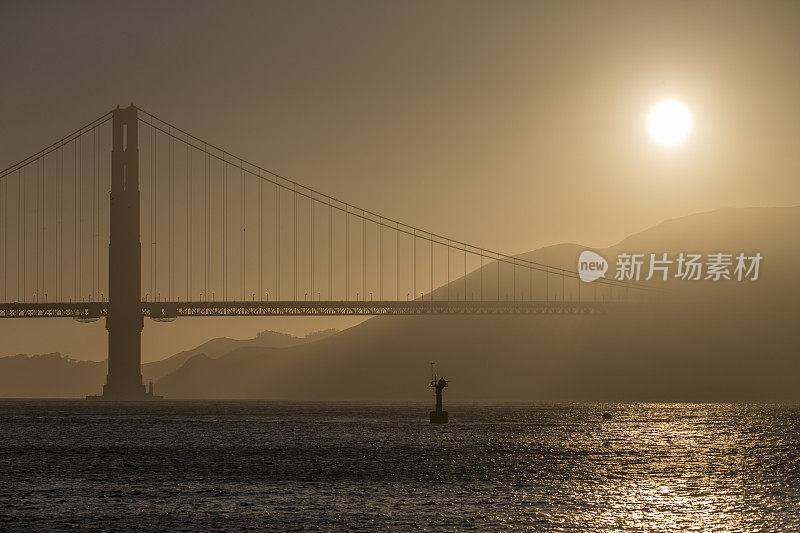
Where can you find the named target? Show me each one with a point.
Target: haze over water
(284, 466)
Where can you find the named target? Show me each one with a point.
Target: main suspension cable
(387, 222)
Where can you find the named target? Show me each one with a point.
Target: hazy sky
(510, 125)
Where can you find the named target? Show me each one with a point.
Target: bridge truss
(164, 311)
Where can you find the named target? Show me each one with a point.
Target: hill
(729, 341)
(223, 345)
(49, 376)
(58, 376)
(710, 342)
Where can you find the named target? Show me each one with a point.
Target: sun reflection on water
(667, 468)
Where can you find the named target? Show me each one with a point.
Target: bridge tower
(125, 320)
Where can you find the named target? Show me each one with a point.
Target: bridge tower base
(125, 320)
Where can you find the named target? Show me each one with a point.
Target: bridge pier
(125, 320)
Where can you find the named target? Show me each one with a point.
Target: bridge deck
(169, 310)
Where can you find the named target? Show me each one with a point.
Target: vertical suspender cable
(189, 209)
(481, 254)
(55, 229)
(152, 213)
(277, 242)
(347, 252)
(43, 198)
(174, 290)
(36, 212)
(206, 224)
(44, 228)
(498, 276)
(225, 232)
(102, 186)
(42, 289)
(224, 229)
(97, 214)
(168, 292)
(20, 230)
(514, 265)
(5, 240)
(242, 234)
(311, 207)
(90, 198)
(2, 235)
(205, 211)
(397, 260)
(380, 260)
(80, 218)
(24, 236)
(330, 250)
(95, 267)
(447, 247)
(170, 214)
(363, 256)
(60, 244)
(547, 284)
(75, 220)
(295, 241)
(415, 263)
(241, 231)
(154, 192)
(260, 237)
(430, 236)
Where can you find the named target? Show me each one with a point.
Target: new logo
(591, 266)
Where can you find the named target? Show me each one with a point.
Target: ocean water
(284, 466)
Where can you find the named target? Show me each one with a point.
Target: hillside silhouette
(727, 341)
(56, 375)
(223, 345)
(720, 341)
(50, 375)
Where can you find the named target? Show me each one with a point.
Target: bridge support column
(125, 321)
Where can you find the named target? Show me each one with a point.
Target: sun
(669, 123)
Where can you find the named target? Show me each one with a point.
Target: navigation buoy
(606, 416)
(438, 416)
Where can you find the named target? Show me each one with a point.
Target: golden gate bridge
(225, 237)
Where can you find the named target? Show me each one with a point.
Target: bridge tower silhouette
(125, 320)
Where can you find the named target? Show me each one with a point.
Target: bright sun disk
(669, 123)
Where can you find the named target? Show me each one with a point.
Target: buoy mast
(438, 416)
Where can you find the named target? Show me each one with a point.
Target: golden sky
(510, 125)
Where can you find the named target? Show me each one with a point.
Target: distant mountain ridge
(49, 375)
(55, 375)
(732, 342)
(223, 345)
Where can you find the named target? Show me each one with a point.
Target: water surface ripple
(284, 466)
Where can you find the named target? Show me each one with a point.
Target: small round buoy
(606, 416)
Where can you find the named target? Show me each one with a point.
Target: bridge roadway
(170, 310)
